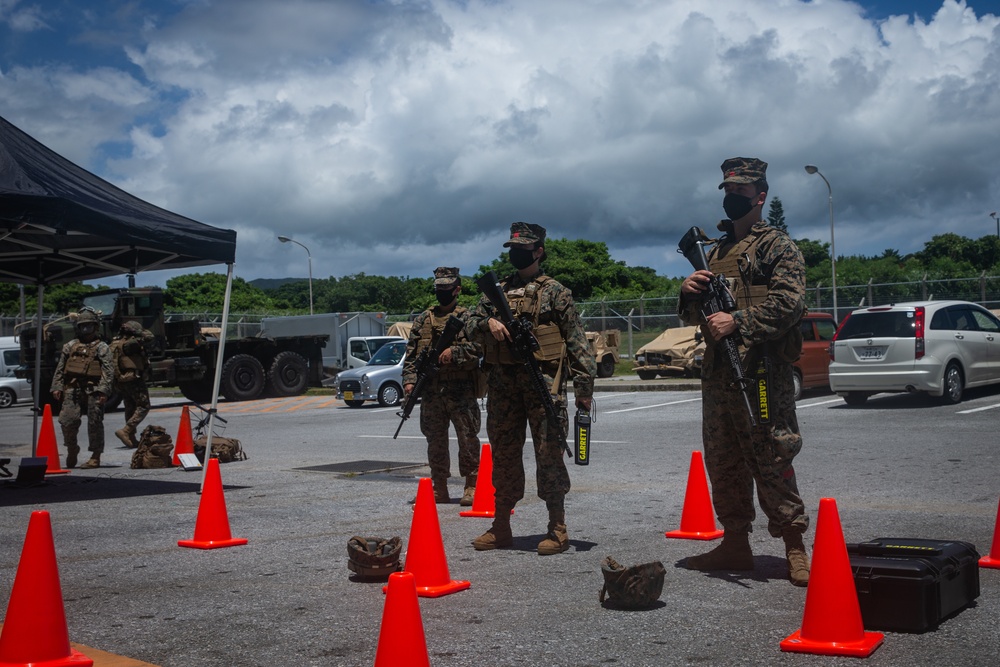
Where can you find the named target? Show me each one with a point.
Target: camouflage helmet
(374, 556)
(132, 327)
(636, 587)
(86, 315)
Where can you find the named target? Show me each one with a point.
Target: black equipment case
(911, 585)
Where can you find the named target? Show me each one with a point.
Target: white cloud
(395, 137)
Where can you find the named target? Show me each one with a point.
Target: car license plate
(871, 353)
(348, 395)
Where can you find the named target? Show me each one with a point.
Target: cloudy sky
(393, 136)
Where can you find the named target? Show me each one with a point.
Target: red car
(812, 368)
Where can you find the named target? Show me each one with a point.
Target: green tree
(814, 253)
(776, 215)
(205, 292)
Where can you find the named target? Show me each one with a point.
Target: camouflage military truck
(184, 355)
(604, 345)
(677, 351)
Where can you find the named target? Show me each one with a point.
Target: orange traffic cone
(46, 445)
(831, 622)
(484, 499)
(211, 530)
(698, 516)
(993, 559)
(401, 638)
(425, 557)
(34, 630)
(184, 443)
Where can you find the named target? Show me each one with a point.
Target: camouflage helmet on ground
(636, 587)
(374, 556)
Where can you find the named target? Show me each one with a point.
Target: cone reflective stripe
(46, 445)
(184, 444)
(484, 499)
(34, 629)
(401, 637)
(993, 559)
(211, 530)
(698, 515)
(425, 557)
(831, 622)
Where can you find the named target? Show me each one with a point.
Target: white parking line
(813, 405)
(647, 407)
(987, 407)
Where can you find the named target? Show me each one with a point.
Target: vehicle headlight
(640, 358)
(364, 381)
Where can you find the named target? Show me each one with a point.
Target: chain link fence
(656, 313)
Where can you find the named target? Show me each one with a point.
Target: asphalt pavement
(319, 472)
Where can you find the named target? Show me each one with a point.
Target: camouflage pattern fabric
(454, 403)
(76, 402)
(447, 400)
(135, 397)
(636, 587)
(736, 455)
(78, 399)
(513, 406)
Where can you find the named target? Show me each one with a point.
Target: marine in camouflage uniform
(766, 274)
(450, 397)
(131, 365)
(513, 405)
(82, 381)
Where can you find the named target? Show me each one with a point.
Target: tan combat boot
(798, 559)
(470, 491)
(93, 462)
(127, 435)
(557, 540)
(71, 455)
(441, 491)
(499, 535)
(733, 554)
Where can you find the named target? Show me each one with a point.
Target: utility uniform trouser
(135, 398)
(453, 403)
(738, 456)
(76, 401)
(512, 406)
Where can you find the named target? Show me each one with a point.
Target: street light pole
(996, 220)
(285, 239)
(810, 169)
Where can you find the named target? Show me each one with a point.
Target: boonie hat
(522, 233)
(743, 170)
(445, 276)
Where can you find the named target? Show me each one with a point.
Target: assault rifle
(523, 345)
(717, 298)
(427, 367)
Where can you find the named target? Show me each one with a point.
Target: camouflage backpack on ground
(224, 449)
(636, 587)
(374, 556)
(154, 450)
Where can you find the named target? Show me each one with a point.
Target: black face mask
(521, 258)
(736, 206)
(445, 297)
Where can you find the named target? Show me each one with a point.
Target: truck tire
(646, 375)
(606, 366)
(288, 375)
(242, 378)
(197, 391)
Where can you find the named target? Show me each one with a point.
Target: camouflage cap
(743, 170)
(522, 233)
(446, 275)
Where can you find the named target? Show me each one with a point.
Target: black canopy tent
(60, 223)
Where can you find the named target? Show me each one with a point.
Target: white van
(10, 355)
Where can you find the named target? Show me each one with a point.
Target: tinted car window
(826, 329)
(388, 355)
(11, 357)
(985, 322)
(807, 330)
(941, 320)
(889, 324)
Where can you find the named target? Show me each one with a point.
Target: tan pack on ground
(155, 448)
(224, 449)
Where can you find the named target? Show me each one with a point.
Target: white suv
(938, 347)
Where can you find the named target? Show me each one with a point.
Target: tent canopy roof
(60, 223)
